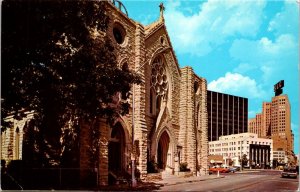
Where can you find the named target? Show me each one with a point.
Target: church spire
(162, 8)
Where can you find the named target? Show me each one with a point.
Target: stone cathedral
(167, 123)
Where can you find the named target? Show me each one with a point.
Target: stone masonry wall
(187, 137)
(140, 126)
(202, 128)
(182, 140)
(125, 51)
(85, 151)
(85, 144)
(103, 152)
(10, 138)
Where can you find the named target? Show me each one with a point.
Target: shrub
(152, 167)
(183, 167)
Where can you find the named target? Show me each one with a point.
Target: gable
(157, 41)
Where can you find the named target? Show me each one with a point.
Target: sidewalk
(254, 170)
(155, 185)
(179, 180)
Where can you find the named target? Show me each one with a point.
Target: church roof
(152, 27)
(157, 24)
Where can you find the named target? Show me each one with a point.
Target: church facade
(167, 122)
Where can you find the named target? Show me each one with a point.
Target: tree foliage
(58, 62)
(244, 160)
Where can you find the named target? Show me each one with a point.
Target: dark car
(234, 169)
(289, 172)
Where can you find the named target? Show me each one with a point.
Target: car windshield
(293, 170)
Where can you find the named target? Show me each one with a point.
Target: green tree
(244, 160)
(230, 162)
(58, 62)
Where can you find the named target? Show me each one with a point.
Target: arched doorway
(163, 154)
(116, 150)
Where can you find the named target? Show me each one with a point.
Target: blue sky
(241, 47)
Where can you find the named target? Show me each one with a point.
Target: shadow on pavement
(141, 186)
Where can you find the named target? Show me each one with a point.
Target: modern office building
(227, 114)
(259, 151)
(275, 122)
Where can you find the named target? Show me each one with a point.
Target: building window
(159, 85)
(119, 33)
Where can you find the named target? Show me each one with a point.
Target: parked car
(289, 172)
(220, 169)
(234, 169)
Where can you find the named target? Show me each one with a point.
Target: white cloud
(263, 49)
(147, 19)
(267, 72)
(237, 84)
(271, 58)
(243, 68)
(214, 23)
(286, 20)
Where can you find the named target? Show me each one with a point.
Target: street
(263, 180)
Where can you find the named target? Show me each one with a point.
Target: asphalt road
(264, 180)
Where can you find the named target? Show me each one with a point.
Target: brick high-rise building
(261, 124)
(275, 122)
(227, 114)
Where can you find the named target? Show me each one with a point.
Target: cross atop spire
(162, 8)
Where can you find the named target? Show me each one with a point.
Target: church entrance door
(163, 155)
(116, 149)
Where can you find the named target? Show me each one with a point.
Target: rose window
(159, 81)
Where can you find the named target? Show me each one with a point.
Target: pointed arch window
(159, 85)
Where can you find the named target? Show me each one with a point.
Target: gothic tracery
(159, 84)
